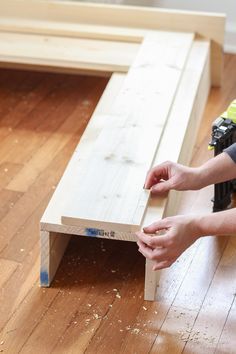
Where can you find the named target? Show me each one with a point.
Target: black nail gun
(223, 135)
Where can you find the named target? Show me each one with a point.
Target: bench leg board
(53, 246)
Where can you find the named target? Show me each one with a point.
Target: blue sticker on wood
(44, 278)
(98, 232)
(92, 232)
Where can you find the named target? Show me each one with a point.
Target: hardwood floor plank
(227, 341)
(7, 171)
(8, 199)
(13, 89)
(80, 285)
(27, 235)
(151, 321)
(34, 131)
(217, 303)
(74, 106)
(17, 287)
(175, 331)
(196, 284)
(25, 279)
(38, 191)
(27, 103)
(128, 293)
(7, 268)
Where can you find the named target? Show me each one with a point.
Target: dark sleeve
(231, 151)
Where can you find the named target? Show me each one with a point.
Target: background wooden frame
(111, 22)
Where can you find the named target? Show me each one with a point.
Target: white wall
(226, 6)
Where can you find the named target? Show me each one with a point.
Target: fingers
(156, 248)
(157, 254)
(152, 241)
(160, 256)
(155, 175)
(151, 180)
(162, 265)
(162, 187)
(146, 251)
(156, 226)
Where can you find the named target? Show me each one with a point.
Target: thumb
(162, 187)
(156, 226)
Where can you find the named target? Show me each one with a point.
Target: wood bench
(175, 144)
(168, 80)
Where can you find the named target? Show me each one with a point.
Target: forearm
(220, 223)
(218, 169)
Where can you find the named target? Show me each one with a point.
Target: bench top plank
(109, 192)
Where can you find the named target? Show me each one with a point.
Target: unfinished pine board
(115, 199)
(65, 53)
(62, 17)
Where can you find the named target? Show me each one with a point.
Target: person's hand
(170, 175)
(173, 236)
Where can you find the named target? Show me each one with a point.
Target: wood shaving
(96, 316)
(135, 331)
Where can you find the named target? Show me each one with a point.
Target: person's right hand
(179, 232)
(170, 175)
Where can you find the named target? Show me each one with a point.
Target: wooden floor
(96, 302)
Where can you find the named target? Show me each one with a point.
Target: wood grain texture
(66, 53)
(125, 149)
(8, 199)
(52, 144)
(7, 268)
